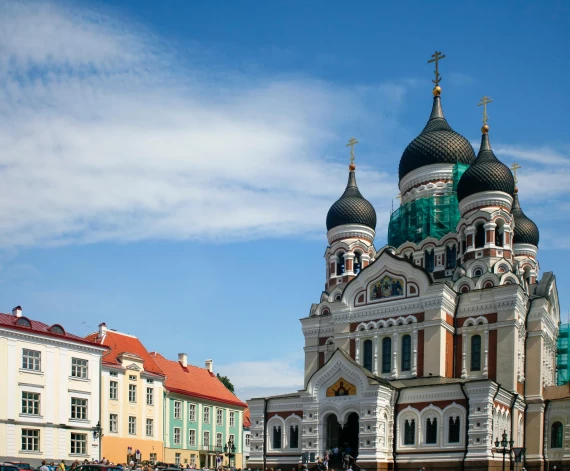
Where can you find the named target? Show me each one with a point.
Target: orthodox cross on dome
(514, 168)
(486, 99)
(436, 58)
(399, 196)
(351, 144)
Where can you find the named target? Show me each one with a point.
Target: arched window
(480, 236)
(294, 436)
(430, 260)
(454, 428)
(476, 353)
(557, 432)
(340, 264)
(431, 431)
(386, 354)
(367, 357)
(410, 432)
(276, 437)
(450, 256)
(500, 233)
(406, 353)
(357, 262)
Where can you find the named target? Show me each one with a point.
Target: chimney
(210, 365)
(183, 359)
(17, 311)
(102, 329)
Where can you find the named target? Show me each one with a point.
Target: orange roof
(246, 418)
(194, 381)
(123, 343)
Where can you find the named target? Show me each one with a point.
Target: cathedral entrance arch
(342, 436)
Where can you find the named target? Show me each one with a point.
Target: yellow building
(132, 392)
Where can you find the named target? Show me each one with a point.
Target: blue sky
(166, 167)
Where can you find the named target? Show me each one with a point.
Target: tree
(227, 383)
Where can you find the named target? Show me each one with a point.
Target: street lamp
(230, 450)
(97, 434)
(504, 444)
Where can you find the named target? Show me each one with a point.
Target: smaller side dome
(351, 207)
(526, 231)
(486, 174)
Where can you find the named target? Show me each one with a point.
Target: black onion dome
(351, 208)
(526, 231)
(436, 144)
(486, 174)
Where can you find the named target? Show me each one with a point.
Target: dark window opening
(499, 238)
(340, 265)
(454, 426)
(409, 432)
(480, 237)
(367, 363)
(556, 435)
(357, 263)
(276, 437)
(406, 353)
(431, 431)
(294, 436)
(476, 353)
(430, 260)
(386, 354)
(451, 257)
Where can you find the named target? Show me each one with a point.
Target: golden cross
(436, 58)
(351, 144)
(399, 196)
(514, 168)
(486, 99)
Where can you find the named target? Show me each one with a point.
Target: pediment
(133, 367)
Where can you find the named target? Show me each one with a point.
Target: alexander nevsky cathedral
(439, 349)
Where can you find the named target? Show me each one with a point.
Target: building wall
(56, 388)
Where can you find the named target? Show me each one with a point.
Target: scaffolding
(432, 216)
(562, 376)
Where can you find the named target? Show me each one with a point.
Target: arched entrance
(343, 438)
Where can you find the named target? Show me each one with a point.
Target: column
(470, 238)
(394, 354)
(357, 350)
(415, 353)
(489, 234)
(348, 263)
(486, 357)
(365, 260)
(464, 357)
(375, 364)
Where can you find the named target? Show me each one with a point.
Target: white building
(49, 404)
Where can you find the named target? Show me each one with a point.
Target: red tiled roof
(246, 418)
(123, 343)
(194, 381)
(9, 321)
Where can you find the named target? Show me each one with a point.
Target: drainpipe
(545, 433)
(515, 397)
(455, 336)
(462, 385)
(493, 418)
(265, 401)
(395, 430)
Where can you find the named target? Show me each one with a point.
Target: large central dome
(437, 144)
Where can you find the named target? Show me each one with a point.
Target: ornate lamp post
(97, 434)
(504, 442)
(230, 450)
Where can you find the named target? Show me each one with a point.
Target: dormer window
(24, 322)
(57, 329)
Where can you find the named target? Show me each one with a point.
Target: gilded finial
(514, 168)
(351, 144)
(436, 58)
(483, 103)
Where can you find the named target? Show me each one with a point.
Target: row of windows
(177, 438)
(114, 425)
(114, 393)
(32, 361)
(277, 435)
(405, 357)
(31, 405)
(206, 415)
(31, 442)
(431, 431)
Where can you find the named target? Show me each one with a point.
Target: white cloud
(104, 136)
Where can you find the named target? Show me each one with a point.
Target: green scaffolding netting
(433, 216)
(562, 376)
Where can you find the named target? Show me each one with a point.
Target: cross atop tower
(483, 103)
(514, 168)
(351, 144)
(436, 58)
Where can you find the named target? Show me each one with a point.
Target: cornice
(36, 337)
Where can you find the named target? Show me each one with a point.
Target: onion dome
(526, 231)
(486, 174)
(351, 207)
(436, 144)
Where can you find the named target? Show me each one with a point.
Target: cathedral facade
(429, 350)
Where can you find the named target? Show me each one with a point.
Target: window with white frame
(30, 403)
(149, 427)
(192, 437)
(113, 373)
(78, 444)
(177, 409)
(132, 377)
(79, 368)
(247, 439)
(30, 439)
(31, 360)
(78, 408)
(431, 431)
(232, 419)
(113, 423)
(113, 390)
(193, 461)
(410, 431)
(132, 393)
(276, 443)
(220, 417)
(132, 425)
(177, 435)
(192, 412)
(219, 440)
(206, 415)
(150, 396)
(454, 430)
(206, 441)
(177, 459)
(153, 457)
